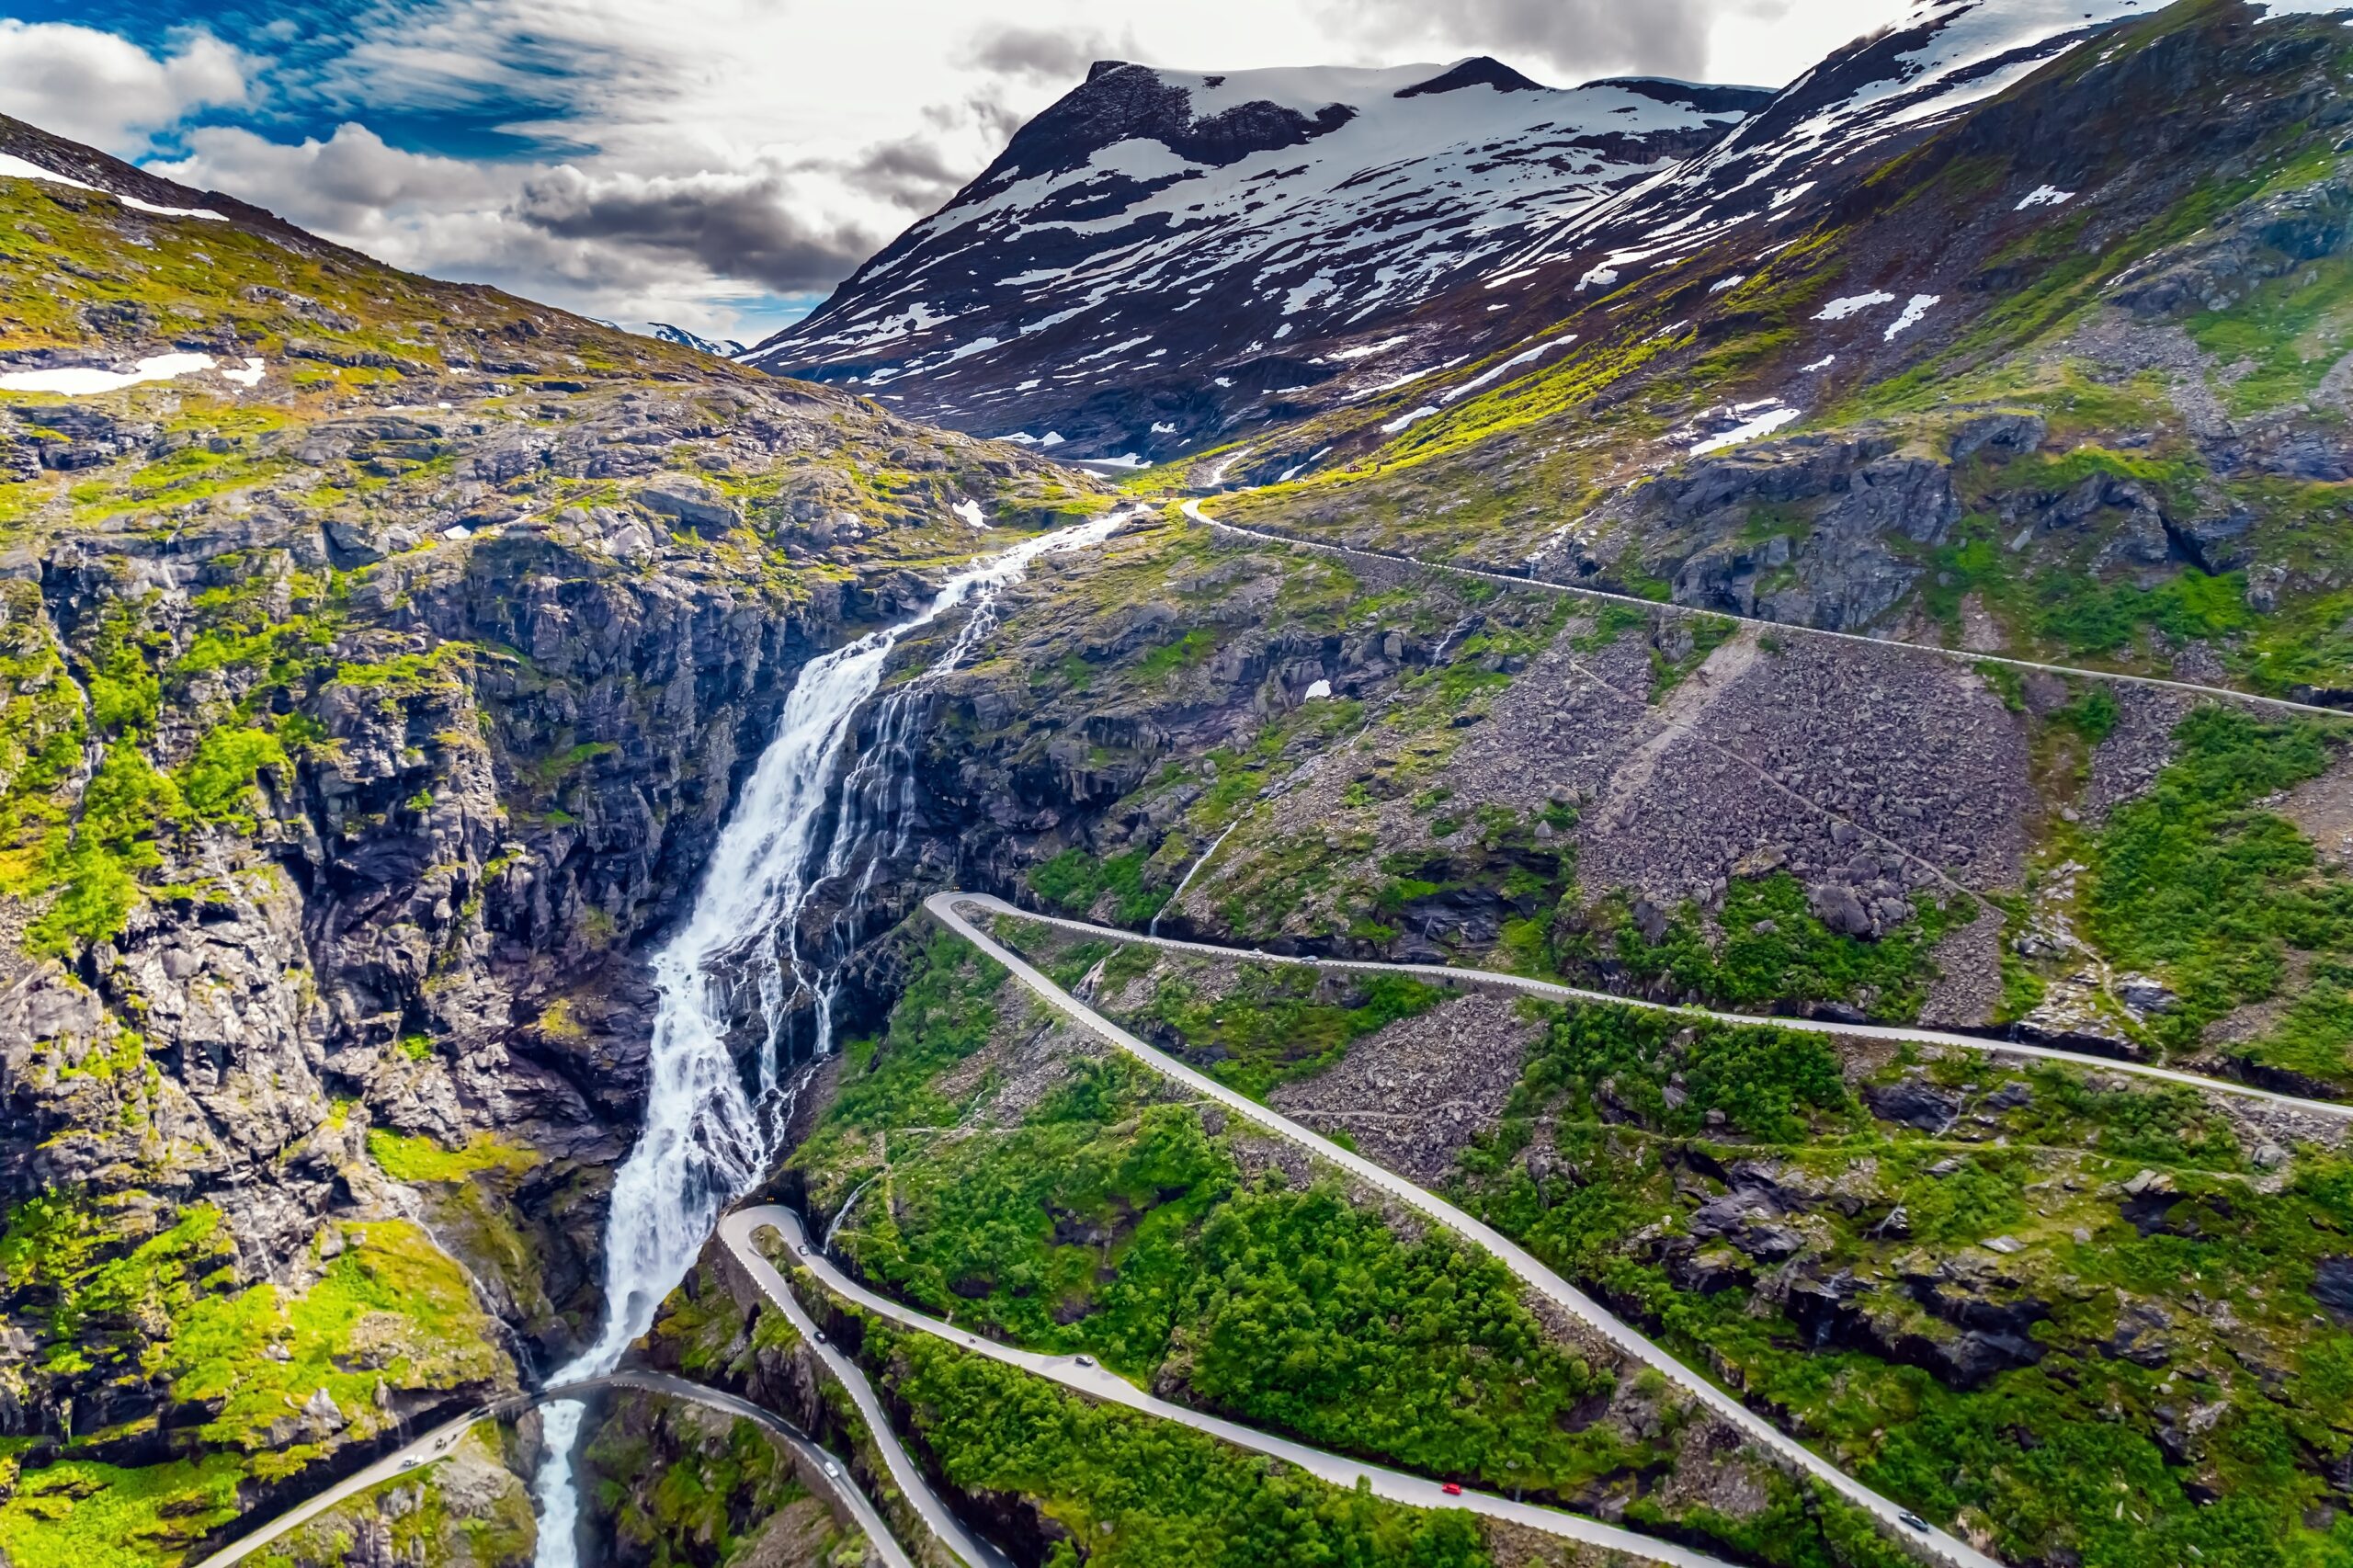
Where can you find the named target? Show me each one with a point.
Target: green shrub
(1277, 1022)
(125, 696)
(218, 782)
(94, 867)
(1765, 1082)
(2197, 881)
(1774, 952)
(1144, 1493)
(1073, 881)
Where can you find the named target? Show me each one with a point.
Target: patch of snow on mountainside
(1749, 430)
(916, 318)
(1915, 311)
(1398, 182)
(1528, 356)
(1978, 48)
(83, 381)
(1366, 350)
(1405, 421)
(1943, 57)
(13, 167)
(1839, 309)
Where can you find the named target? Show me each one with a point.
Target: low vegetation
(1105, 1218)
(1726, 1188)
(1141, 1493)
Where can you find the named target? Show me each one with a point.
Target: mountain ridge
(1014, 346)
(1312, 205)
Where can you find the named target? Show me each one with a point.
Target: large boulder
(697, 502)
(1915, 1104)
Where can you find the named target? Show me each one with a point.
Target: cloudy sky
(721, 163)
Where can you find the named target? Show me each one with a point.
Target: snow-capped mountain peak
(1155, 226)
(1165, 257)
(724, 349)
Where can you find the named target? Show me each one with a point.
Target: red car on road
(1452, 1490)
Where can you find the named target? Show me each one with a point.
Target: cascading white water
(706, 1138)
(1193, 871)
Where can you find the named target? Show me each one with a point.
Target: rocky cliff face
(368, 708)
(1814, 531)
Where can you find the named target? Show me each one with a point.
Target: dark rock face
(1987, 1335)
(697, 502)
(1748, 1216)
(1915, 1104)
(1121, 102)
(1707, 1273)
(85, 438)
(2333, 1286)
(2142, 1335)
(2279, 233)
(411, 733)
(1803, 530)
(393, 894)
(1829, 531)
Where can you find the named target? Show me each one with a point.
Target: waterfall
(1193, 871)
(708, 1137)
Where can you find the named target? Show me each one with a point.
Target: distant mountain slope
(1826, 131)
(726, 349)
(1158, 248)
(263, 287)
(2074, 352)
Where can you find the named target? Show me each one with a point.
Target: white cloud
(695, 250)
(1756, 41)
(1574, 37)
(752, 224)
(351, 186)
(104, 90)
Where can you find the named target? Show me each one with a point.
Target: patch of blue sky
(757, 315)
(402, 67)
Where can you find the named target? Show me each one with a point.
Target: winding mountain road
(1551, 990)
(1081, 1374)
(1192, 508)
(437, 1444)
(949, 907)
(736, 1230)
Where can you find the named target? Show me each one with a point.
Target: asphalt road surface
(1193, 510)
